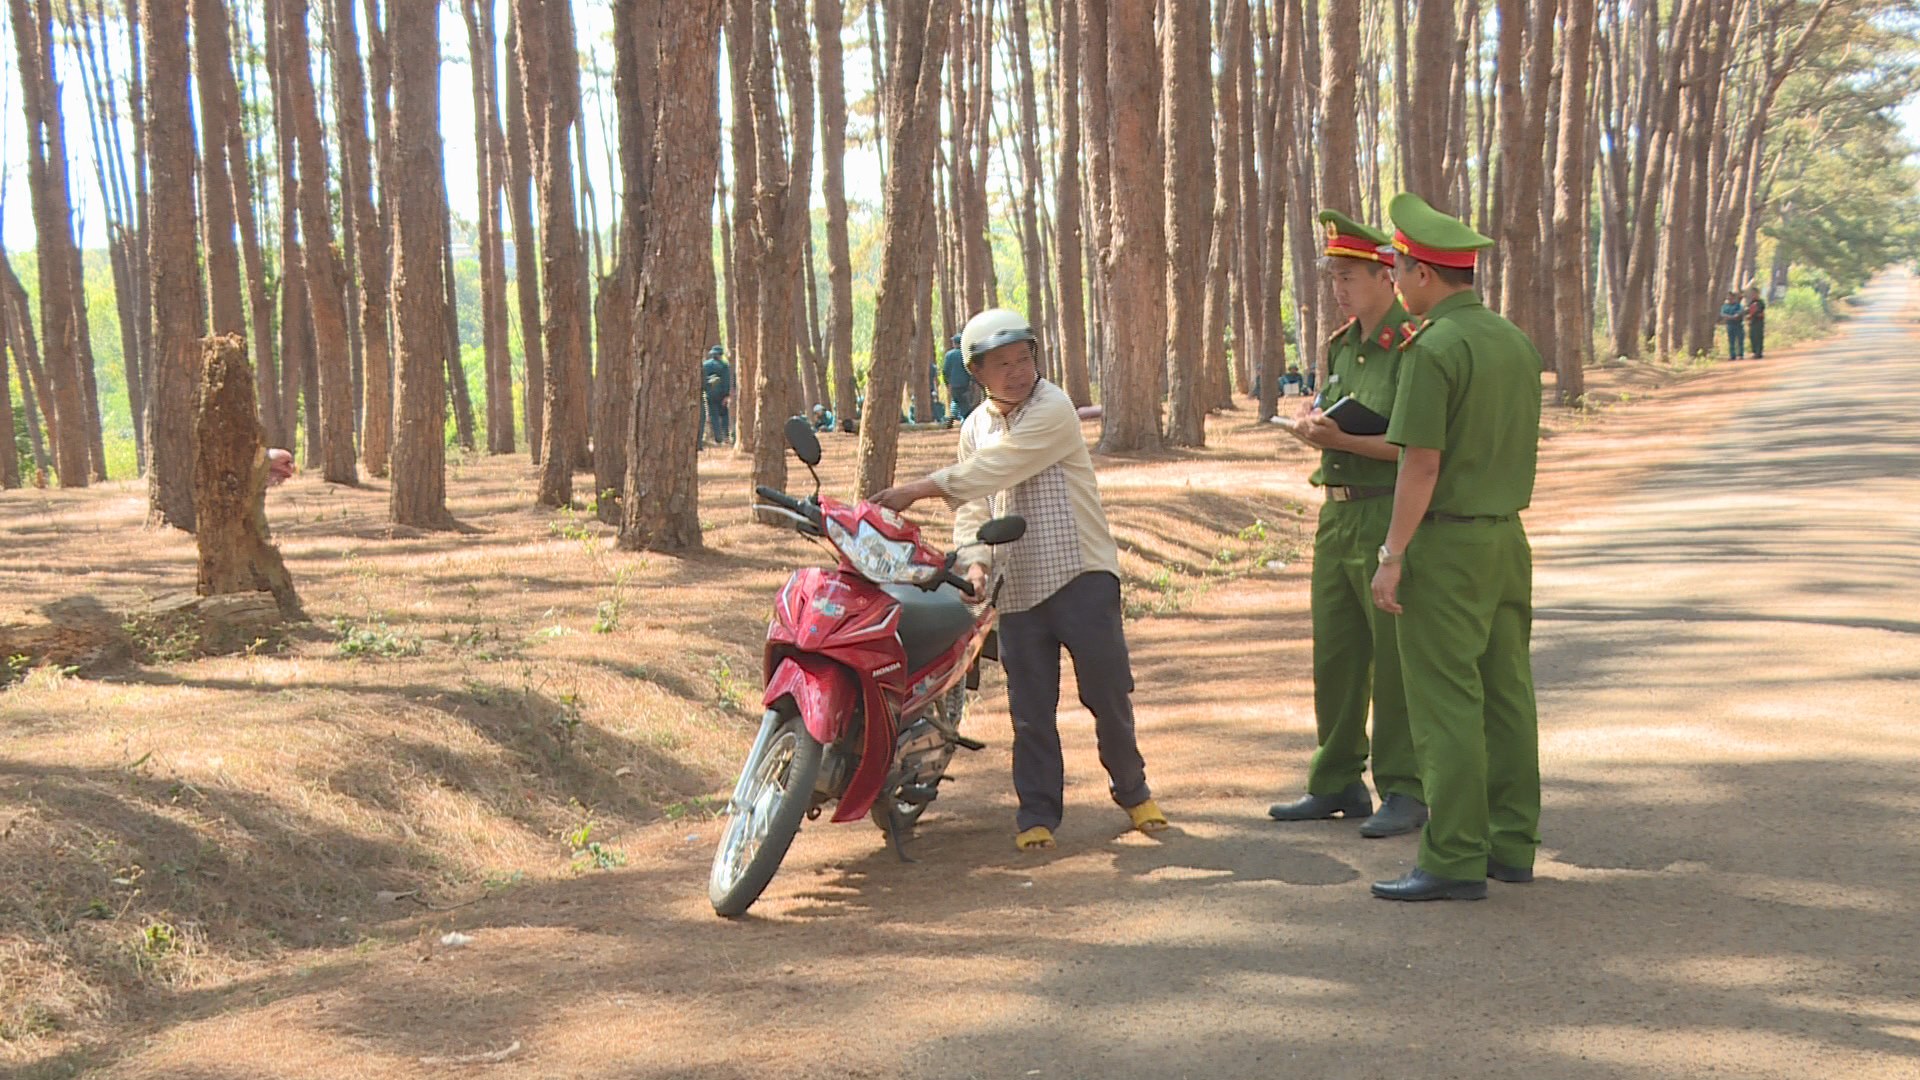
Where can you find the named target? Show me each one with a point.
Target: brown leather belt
(1467, 519)
(1354, 494)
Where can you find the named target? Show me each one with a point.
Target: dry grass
(464, 705)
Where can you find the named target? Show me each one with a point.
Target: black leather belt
(1352, 494)
(1467, 519)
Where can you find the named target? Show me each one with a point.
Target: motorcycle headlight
(880, 559)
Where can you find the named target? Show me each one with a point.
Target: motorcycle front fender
(823, 692)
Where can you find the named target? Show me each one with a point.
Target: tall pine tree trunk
(326, 290)
(545, 49)
(52, 217)
(526, 262)
(1573, 171)
(1188, 199)
(1135, 259)
(635, 66)
(676, 298)
(1069, 241)
(176, 273)
(920, 30)
(414, 191)
(369, 240)
(833, 184)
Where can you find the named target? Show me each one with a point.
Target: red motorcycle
(867, 667)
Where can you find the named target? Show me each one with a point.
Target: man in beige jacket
(1021, 453)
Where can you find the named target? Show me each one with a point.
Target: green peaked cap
(1346, 226)
(1426, 227)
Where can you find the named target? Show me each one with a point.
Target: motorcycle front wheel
(778, 793)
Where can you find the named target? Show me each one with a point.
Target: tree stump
(237, 554)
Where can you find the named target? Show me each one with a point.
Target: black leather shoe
(1420, 885)
(1398, 814)
(1512, 875)
(1352, 802)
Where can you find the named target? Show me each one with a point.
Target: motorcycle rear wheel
(762, 827)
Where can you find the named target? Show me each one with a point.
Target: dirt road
(1728, 654)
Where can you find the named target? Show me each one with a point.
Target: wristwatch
(1388, 556)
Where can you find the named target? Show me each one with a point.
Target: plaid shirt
(1032, 462)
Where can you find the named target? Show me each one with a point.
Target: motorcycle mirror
(1003, 530)
(800, 436)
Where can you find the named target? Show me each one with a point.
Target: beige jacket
(1032, 462)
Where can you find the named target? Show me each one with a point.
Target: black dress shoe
(1398, 814)
(1512, 875)
(1352, 802)
(1420, 885)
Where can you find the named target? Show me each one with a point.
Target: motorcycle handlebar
(786, 501)
(958, 582)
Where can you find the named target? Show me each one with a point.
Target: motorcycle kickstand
(893, 834)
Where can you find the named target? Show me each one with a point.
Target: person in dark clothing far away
(1757, 323)
(1733, 314)
(716, 384)
(961, 394)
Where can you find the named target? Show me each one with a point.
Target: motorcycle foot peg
(918, 794)
(969, 744)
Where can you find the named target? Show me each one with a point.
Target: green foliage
(374, 639)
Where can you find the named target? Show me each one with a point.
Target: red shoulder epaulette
(1344, 327)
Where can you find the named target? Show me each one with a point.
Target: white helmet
(991, 329)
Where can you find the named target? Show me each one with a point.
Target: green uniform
(1355, 655)
(1470, 388)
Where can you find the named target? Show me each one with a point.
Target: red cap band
(1459, 260)
(1343, 246)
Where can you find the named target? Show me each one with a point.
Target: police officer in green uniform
(1456, 567)
(1355, 655)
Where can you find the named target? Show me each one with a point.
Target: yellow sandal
(1038, 838)
(1147, 817)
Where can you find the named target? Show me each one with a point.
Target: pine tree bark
(417, 198)
(1425, 111)
(636, 61)
(237, 553)
(676, 294)
(326, 289)
(743, 283)
(545, 49)
(1135, 257)
(212, 51)
(833, 186)
(780, 223)
(920, 29)
(1573, 171)
(1032, 250)
(176, 277)
(259, 285)
(1069, 239)
(526, 262)
(295, 359)
(1188, 199)
(52, 216)
(369, 242)
(1220, 257)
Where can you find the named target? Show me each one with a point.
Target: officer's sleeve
(1420, 401)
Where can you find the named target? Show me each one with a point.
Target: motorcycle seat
(930, 622)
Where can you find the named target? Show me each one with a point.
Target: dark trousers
(1084, 616)
(719, 420)
(1737, 339)
(1757, 337)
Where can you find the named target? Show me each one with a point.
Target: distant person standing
(1456, 568)
(960, 392)
(1757, 323)
(716, 383)
(1733, 314)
